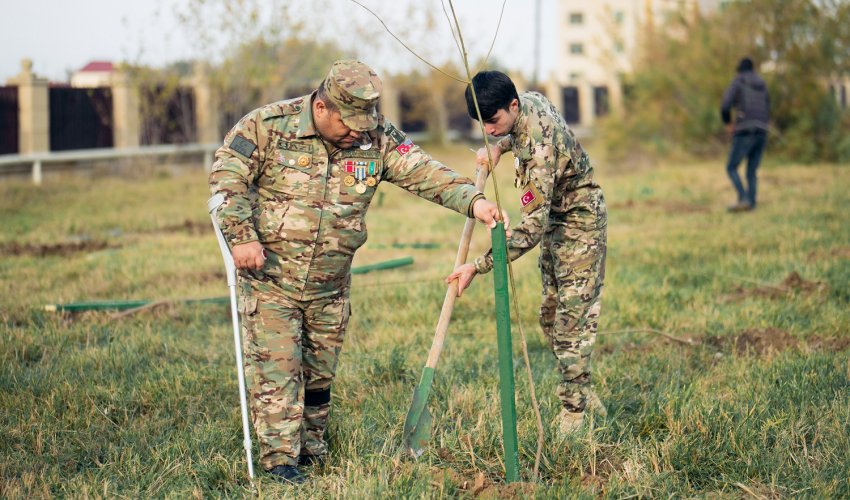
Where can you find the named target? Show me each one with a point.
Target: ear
(319, 107)
(514, 105)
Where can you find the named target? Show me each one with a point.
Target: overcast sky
(61, 36)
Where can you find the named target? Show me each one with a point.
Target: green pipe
(123, 305)
(387, 264)
(506, 362)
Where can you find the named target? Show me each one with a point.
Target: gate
(168, 116)
(80, 118)
(8, 120)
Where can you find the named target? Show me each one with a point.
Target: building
(597, 42)
(93, 75)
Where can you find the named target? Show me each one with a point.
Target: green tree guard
(506, 362)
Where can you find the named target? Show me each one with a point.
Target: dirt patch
(668, 206)
(513, 490)
(482, 486)
(830, 253)
(760, 341)
(793, 283)
(50, 249)
(187, 226)
(831, 344)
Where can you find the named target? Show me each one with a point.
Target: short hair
(322, 95)
(494, 91)
(746, 64)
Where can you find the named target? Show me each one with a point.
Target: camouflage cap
(354, 87)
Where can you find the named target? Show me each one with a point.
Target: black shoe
(741, 206)
(311, 460)
(288, 474)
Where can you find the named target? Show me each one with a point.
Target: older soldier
(563, 210)
(298, 176)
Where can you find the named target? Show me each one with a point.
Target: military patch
(294, 146)
(395, 134)
(531, 198)
(243, 146)
(405, 147)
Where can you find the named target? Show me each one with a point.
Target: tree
(683, 68)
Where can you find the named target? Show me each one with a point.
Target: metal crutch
(212, 205)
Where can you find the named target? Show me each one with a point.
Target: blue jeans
(749, 143)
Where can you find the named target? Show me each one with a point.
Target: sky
(61, 36)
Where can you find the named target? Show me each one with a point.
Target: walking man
(748, 95)
(562, 209)
(298, 177)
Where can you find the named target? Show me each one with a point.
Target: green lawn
(722, 356)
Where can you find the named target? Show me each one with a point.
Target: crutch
(212, 205)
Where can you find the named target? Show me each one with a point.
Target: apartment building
(597, 41)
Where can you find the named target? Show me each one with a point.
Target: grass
(757, 404)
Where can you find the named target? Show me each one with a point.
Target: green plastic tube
(506, 362)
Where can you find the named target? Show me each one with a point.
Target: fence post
(36, 172)
(33, 110)
(125, 111)
(206, 109)
(390, 101)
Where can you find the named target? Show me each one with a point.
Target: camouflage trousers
(291, 349)
(572, 262)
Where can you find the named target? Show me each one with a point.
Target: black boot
(311, 460)
(288, 474)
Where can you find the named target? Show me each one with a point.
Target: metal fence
(80, 118)
(37, 160)
(9, 128)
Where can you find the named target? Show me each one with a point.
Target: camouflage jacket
(306, 202)
(553, 174)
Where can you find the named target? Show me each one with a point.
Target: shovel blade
(418, 440)
(417, 424)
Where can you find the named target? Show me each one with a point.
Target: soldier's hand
(481, 156)
(464, 275)
(249, 255)
(487, 213)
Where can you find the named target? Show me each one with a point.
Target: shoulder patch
(282, 108)
(531, 198)
(243, 146)
(395, 135)
(404, 147)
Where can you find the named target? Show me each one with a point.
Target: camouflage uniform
(305, 201)
(562, 209)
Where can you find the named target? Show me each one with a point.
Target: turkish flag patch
(527, 197)
(404, 147)
(531, 198)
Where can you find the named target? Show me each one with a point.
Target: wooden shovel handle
(451, 292)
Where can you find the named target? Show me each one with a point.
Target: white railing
(39, 159)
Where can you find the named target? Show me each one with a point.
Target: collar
(306, 126)
(520, 127)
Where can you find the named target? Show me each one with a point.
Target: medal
(349, 180)
(361, 188)
(303, 161)
(371, 182)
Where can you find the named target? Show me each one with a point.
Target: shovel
(417, 424)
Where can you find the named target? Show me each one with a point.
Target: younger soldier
(298, 177)
(563, 210)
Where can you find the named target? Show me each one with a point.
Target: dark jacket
(748, 95)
